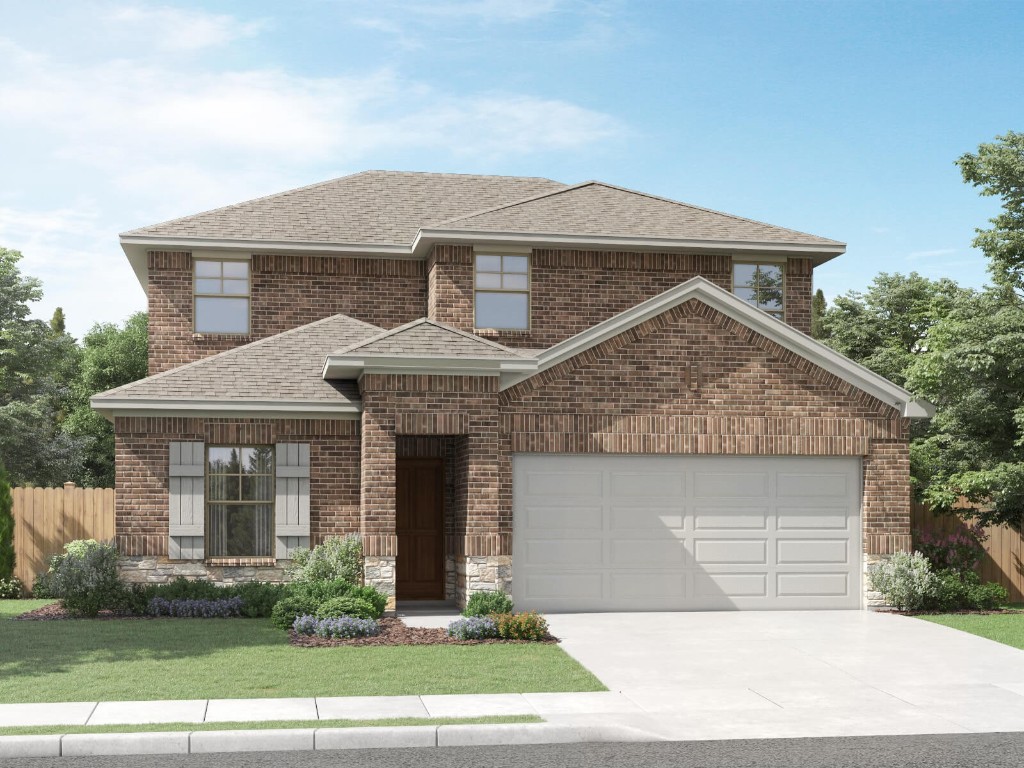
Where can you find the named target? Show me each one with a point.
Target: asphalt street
(992, 750)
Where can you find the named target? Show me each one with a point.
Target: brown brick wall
(574, 290)
(141, 446)
(287, 291)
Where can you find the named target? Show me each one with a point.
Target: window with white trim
(502, 291)
(240, 501)
(221, 296)
(760, 285)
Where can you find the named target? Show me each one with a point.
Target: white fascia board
(817, 253)
(136, 406)
(344, 367)
(768, 326)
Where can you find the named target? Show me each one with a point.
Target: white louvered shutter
(187, 512)
(291, 503)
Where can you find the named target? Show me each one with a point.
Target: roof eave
(353, 367)
(109, 407)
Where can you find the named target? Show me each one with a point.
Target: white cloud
(502, 11)
(931, 254)
(176, 29)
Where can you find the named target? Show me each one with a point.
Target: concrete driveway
(793, 674)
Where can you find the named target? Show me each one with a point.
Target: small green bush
(258, 597)
(288, 609)
(10, 589)
(521, 626)
(182, 588)
(905, 581)
(334, 558)
(377, 599)
(85, 578)
(337, 607)
(319, 592)
(41, 589)
(486, 603)
(957, 591)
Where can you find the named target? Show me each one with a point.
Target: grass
(46, 730)
(1006, 628)
(128, 660)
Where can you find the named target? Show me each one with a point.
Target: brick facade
(286, 291)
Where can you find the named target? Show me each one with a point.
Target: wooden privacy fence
(45, 519)
(1003, 550)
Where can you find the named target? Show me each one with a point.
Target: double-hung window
(760, 285)
(502, 291)
(221, 296)
(240, 501)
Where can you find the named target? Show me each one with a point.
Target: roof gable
(596, 208)
(428, 338)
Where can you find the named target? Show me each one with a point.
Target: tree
(35, 368)
(885, 327)
(818, 307)
(6, 527)
(57, 324)
(112, 355)
(998, 170)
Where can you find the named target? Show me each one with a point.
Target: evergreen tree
(6, 527)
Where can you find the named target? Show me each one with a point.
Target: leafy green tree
(57, 322)
(818, 307)
(35, 368)
(997, 169)
(6, 527)
(112, 356)
(885, 327)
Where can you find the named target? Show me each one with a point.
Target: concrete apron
(742, 675)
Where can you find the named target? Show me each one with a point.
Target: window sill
(251, 562)
(502, 331)
(218, 336)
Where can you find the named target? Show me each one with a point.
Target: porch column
(377, 500)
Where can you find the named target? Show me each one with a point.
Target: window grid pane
(760, 285)
(240, 494)
(221, 290)
(502, 298)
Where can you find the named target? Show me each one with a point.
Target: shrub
(473, 628)
(259, 597)
(343, 626)
(201, 608)
(334, 558)
(10, 589)
(6, 527)
(486, 603)
(319, 592)
(182, 588)
(905, 581)
(41, 589)
(960, 551)
(955, 591)
(345, 606)
(521, 626)
(286, 610)
(377, 599)
(85, 578)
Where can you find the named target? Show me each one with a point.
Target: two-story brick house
(593, 398)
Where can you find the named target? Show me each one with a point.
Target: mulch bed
(395, 632)
(56, 612)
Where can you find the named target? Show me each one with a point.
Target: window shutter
(187, 513)
(291, 506)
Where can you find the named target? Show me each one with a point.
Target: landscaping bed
(396, 632)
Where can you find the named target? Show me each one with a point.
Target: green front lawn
(1006, 628)
(142, 659)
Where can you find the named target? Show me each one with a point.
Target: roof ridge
(425, 321)
(234, 350)
(473, 336)
(530, 199)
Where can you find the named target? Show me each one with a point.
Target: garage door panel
(718, 551)
(812, 518)
(812, 551)
(730, 585)
(639, 485)
(738, 518)
(565, 518)
(612, 532)
(556, 552)
(647, 552)
(717, 485)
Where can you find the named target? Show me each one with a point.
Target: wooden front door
(420, 528)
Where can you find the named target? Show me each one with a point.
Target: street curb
(294, 739)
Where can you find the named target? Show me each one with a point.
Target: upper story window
(760, 285)
(221, 290)
(240, 501)
(502, 295)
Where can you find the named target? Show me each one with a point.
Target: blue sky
(838, 118)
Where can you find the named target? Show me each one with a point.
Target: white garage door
(613, 533)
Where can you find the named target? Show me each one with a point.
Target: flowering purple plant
(342, 626)
(959, 551)
(473, 628)
(195, 609)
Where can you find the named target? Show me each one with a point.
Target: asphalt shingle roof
(287, 367)
(595, 208)
(373, 207)
(429, 338)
